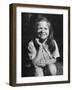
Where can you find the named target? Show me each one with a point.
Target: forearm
(38, 56)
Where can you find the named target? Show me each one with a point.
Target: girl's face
(43, 30)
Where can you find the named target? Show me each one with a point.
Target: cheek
(38, 30)
(47, 32)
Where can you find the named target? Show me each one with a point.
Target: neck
(43, 41)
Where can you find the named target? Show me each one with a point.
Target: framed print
(39, 44)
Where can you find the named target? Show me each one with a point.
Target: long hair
(50, 39)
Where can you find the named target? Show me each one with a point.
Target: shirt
(45, 55)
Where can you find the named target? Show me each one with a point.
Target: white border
(63, 77)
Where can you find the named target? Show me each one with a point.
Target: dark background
(27, 34)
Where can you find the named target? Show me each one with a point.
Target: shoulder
(31, 45)
(56, 52)
(55, 43)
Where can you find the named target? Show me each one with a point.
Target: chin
(42, 39)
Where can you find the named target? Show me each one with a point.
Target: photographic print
(39, 44)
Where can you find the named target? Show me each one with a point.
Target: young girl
(43, 50)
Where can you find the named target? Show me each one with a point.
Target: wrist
(40, 47)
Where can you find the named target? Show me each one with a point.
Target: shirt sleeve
(32, 50)
(56, 52)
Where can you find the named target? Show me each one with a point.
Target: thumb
(37, 40)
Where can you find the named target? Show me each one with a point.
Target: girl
(43, 50)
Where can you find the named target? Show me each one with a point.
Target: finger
(37, 40)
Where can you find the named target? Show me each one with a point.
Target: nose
(42, 30)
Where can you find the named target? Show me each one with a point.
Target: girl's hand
(40, 45)
(38, 42)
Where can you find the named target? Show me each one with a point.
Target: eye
(45, 28)
(40, 28)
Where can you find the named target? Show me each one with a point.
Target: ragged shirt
(45, 54)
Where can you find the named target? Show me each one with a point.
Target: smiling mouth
(42, 34)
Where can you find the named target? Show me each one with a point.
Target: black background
(27, 20)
